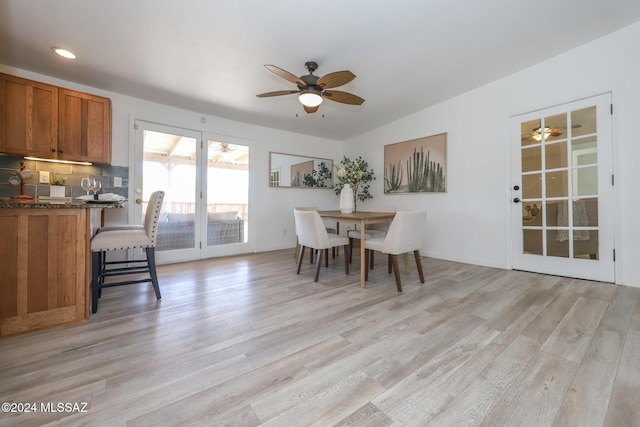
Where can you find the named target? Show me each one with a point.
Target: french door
(206, 182)
(562, 190)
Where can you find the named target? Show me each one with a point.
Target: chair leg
(389, 264)
(151, 262)
(350, 249)
(326, 257)
(318, 262)
(396, 271)
(367, 254)
(346, 259)
(96, 269)
(371, 260)
(416, 253)
(300, 256)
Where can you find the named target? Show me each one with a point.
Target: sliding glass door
(206, 183)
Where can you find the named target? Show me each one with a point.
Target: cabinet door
(29, 114)
(84, 127)
(46, 268)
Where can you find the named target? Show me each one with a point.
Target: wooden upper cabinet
(84, 127)
(48, 121)
(29, 112)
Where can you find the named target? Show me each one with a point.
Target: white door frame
(136, 186)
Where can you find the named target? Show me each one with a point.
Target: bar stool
(124, 238)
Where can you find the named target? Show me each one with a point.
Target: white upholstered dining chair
(312, 233)
(373, 231)
(123, 238)
(404, 236)
(330, 230)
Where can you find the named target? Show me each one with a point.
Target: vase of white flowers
(357, 174)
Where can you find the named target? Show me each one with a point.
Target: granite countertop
(62, 203)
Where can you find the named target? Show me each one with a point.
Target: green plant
(423, 174)
(57, 180)
(319, 178)
(357, 174)
(393, 177)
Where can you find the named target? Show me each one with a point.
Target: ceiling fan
(313, 89)
(223, 147)
(537, 132)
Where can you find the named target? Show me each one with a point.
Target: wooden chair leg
(346, 259)
(419, 265)
(350, 249)
(151, 262)
(396, 271)
(96, 268)
(389, 264)
(367, 254)
(326, 257)
(318, 262)
(300, 257)
(371, 260)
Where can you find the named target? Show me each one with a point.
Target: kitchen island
(44, 263)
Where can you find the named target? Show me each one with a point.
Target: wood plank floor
(244, 341)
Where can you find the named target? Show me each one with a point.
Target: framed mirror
(294, 171)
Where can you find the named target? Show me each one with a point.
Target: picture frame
(416, 166)
(298, 171)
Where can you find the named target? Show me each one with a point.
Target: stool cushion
(120, 239)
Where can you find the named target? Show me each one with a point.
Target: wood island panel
(44, 267)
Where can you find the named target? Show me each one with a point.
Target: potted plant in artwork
(357, 174)
(57, 185)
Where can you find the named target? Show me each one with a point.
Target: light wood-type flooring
(244, 341)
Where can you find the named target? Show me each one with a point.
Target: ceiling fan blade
(343, 97)
(285, 74)
(277, 93)
(336, 79)
(310, 110)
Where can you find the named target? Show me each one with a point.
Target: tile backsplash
(73, 173)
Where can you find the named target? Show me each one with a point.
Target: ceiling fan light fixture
(310, 98)
(537, 133)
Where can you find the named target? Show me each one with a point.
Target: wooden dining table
(362, 218)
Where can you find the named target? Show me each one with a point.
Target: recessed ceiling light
(64, 53)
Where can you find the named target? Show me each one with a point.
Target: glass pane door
(207, 191)
(227, 198)
(561, 191)
(169, 164)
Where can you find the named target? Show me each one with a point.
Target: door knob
(516, 200)
(516, 187)
(138, 201)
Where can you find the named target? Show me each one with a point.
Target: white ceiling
(208, 55)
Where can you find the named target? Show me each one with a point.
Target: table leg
(363, 262)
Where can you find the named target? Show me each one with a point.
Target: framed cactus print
(416, 166)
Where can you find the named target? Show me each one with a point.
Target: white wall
(273, 223)
(470, 223)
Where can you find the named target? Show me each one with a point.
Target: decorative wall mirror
(291, 170)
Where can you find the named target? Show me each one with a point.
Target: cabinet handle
(53, 150)
(60, 151)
